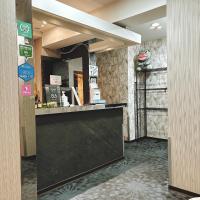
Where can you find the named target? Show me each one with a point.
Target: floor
(29, 180)
(142, 175)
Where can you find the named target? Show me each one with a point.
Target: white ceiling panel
(87, 5)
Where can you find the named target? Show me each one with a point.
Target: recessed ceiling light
(42, 25)
(155, 24)
(44, 22)
(152, 27)
(159, 27)
(109, 49)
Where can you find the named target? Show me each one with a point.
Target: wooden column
(184, 93)
(27, 104)
(38, 70)
(10, 173)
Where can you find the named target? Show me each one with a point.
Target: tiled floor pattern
(29, 179)
(142, 175)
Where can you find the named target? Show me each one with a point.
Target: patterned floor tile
(142, 175)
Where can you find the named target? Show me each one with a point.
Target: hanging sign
(24, 29)
(26, 72)
(26, 51)
(26, 90)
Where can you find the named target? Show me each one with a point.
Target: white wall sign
(93, 70)
(55, 80)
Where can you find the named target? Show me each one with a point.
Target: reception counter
(74, 141)
(48, 111)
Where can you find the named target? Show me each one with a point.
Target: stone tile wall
(113, 73)
(117, 83)
(156, 120)
(113, 81)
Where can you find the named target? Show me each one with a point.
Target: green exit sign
(26, 50)
(24, 29)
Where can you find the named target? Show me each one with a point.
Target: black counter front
(74, 143)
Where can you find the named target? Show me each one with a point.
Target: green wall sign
(24, 29)
(26, 50)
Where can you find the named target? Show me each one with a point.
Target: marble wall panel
(113, 73)
(155, 124)
(117, 83)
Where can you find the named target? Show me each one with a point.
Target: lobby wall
(117, 84)
(156, 120)
(113, 80)
(184, 94)
(10, 172)
(113, 73)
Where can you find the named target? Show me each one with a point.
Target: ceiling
(55, 37)
(141, 23)
(149, 34)
(57, 33)
(87, 5)
(39, 27)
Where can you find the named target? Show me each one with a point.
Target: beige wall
(10, 180)
(38, 68)
(184, 93)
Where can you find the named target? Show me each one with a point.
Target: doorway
(78, 84)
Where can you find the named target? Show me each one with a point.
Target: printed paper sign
(26, 72)
(55, 80)
(26, 90)
(24, 29)
(26, 51)
(93, 82)
(93, 70)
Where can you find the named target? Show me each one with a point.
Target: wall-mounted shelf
(165, 89)
(153, 108)
(153, 70)
(145, 89)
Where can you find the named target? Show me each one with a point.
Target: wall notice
(55, 80)
(24, 29)
(26, 90)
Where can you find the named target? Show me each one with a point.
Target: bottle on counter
(64, 99)
(38, 103)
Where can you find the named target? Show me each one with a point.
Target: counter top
(48, 111)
